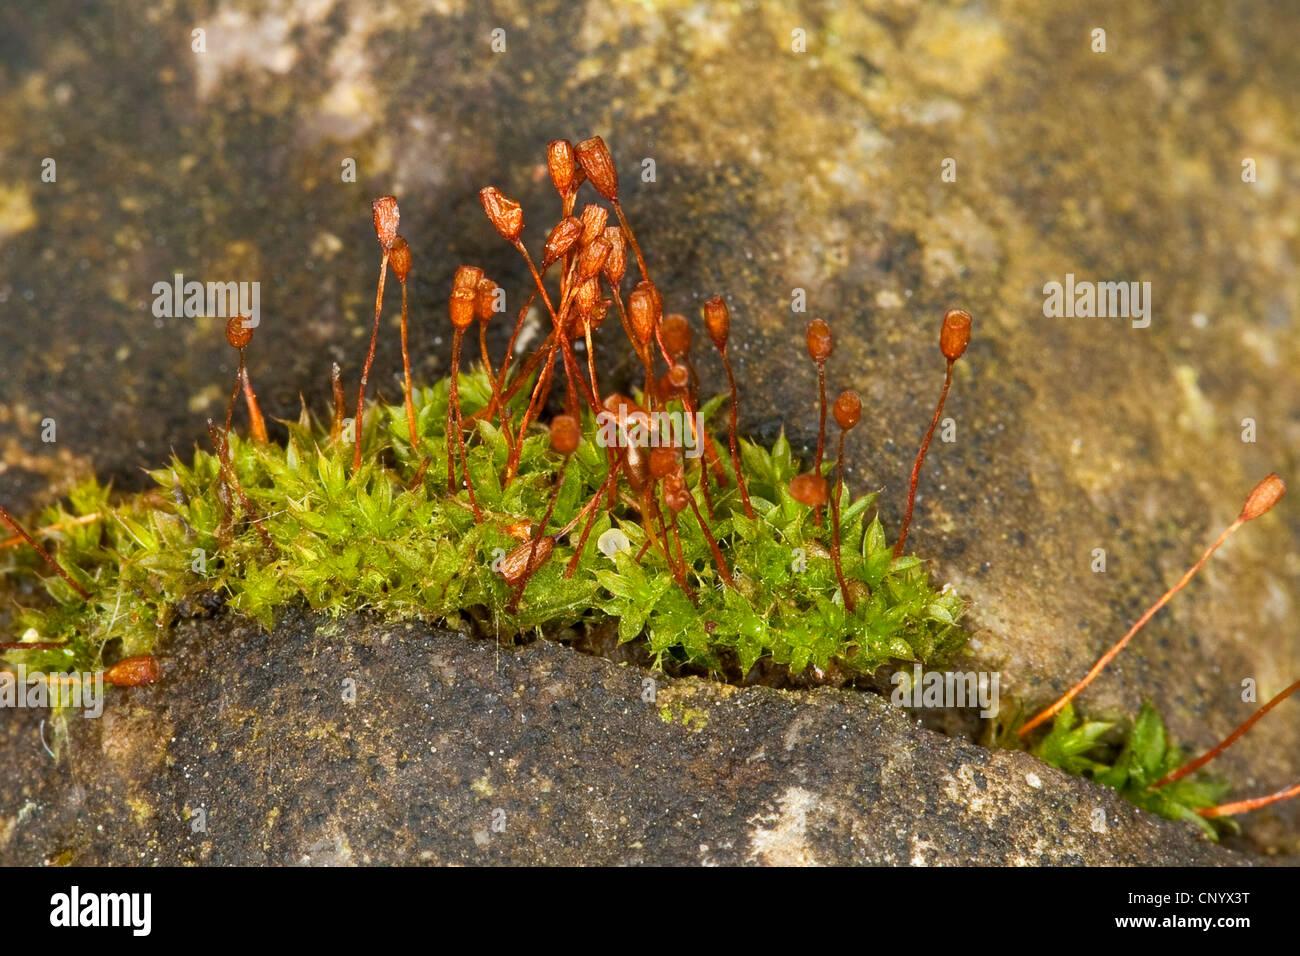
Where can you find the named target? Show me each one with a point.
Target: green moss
(344, 542)
(692, 718)
(1132, 762)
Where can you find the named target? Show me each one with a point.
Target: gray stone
(459, 751)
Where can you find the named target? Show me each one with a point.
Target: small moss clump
(1134, 763)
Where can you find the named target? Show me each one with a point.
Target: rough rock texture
(774, 171)
(457, 751)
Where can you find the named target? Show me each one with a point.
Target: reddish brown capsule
(618, 404)
(1263, 497)
(464, 296)
(562, 165)
(616, 261)
(467, 277)
(848, 409)
(595, 159)
(594, 219)
(399, 257)
(678, 377)
(673, 383)
(717, 319)
(592, 258)
(506, 215)
(563, 237)
(237, 333)
(460, 308)
(809, 489)
(656, 297)
(818, 340)
(515, 564)
(663, 462)
(955, 334)
(676, 335)
(641, 312)
(133, 671)
(587, 297)
(485, 299)
(654, 300)
(676, 493)
(636, 468)
(386, 218)
(565, 434)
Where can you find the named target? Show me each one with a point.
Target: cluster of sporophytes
(646, 510)
(634, 510)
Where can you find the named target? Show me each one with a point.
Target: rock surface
(457, 751)
(774, 171)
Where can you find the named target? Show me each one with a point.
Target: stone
(254, 749)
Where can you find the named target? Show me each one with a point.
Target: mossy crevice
(373, 540)
(1130, 756)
